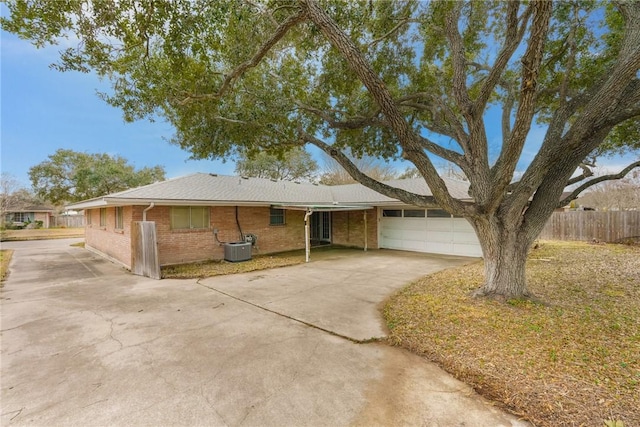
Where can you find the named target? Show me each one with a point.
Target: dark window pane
(392, 213)
(437, 213)
(276, 216)
(414, 213)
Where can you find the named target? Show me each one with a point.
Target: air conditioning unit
(237, 251)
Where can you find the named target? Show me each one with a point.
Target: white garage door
(427, 230)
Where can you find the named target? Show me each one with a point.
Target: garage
(427, 230)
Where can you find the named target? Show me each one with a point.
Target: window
(21, 217)
(103, 217)
(189, 217)
(414, 213)
(119, 218)
(88, 216)
(437, 213)
(276, 216)
(395, 213)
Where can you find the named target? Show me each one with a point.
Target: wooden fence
(588, 225)
(67, 221)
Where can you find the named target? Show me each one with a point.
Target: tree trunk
(505, 252)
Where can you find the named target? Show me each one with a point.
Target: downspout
(307, 242)
(148, 208)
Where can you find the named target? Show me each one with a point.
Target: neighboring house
(195, 214)
(29, 214)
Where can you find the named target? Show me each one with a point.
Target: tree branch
(379, 91)
(355, 173)
(356, 123)
(506, 163)
(459, 61)
(399, 25)
(586, 173)
(446, 154)
(574, 194)
(454, 129)
(512, 39)
(262, 51)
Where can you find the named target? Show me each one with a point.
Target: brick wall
(115, 243)
(44, 217)
(347, 228)
(183, 246)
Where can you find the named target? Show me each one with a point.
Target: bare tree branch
(575, 193)
(359, 176)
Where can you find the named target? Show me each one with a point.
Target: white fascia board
(115, 201)
(322, 208)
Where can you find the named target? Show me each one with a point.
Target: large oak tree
(71, 176)
(411, 79)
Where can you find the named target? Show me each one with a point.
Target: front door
(321, 226)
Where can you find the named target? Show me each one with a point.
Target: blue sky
(43, 110)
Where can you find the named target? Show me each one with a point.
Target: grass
(211, 268)
(41, 234)
(5, 259)
(571, 359)
(220, 267)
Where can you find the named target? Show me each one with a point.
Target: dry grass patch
(211, 268)
(200, 270)
(41, 234)
(573, 359)
(5, 259)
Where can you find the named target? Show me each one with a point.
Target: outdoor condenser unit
(237, 251)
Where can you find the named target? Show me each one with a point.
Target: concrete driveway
(86, 343)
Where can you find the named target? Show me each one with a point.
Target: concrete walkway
(85, 343)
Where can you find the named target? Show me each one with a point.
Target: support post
(307, 237)
(365, 231)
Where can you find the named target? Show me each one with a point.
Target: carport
(310, 209)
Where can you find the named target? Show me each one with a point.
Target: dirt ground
(41, 234)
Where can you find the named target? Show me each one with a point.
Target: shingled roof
(222, 190)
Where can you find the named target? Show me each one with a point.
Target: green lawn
(571, 359)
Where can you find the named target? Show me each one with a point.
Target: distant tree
(71, 176)
(622, 194)
(334, 174)
(294, 165)
(10, 188)
(447, 169)
(13, 196)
